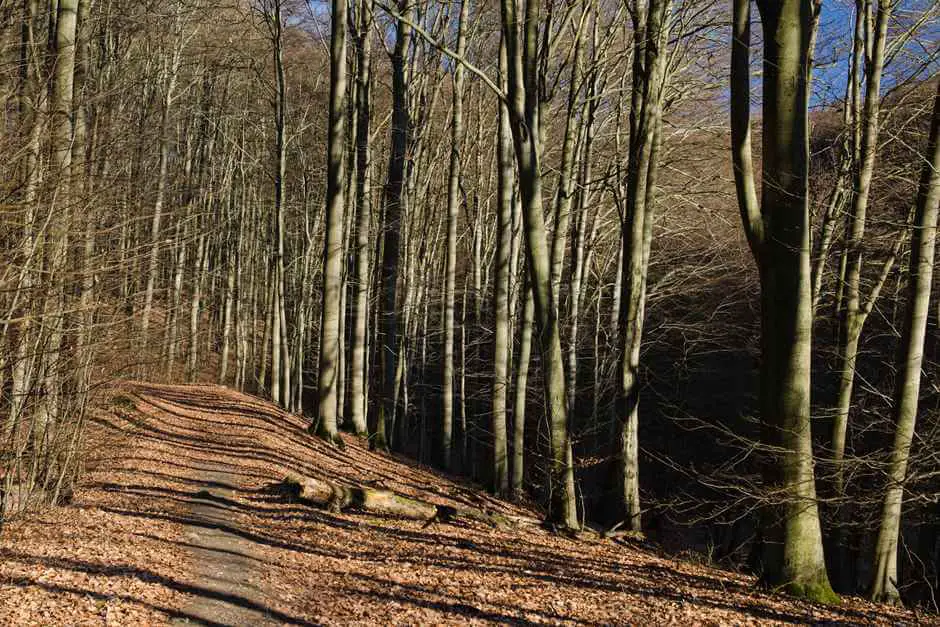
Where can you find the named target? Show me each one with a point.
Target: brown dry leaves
(118, 555)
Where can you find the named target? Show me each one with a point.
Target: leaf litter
(125, 552)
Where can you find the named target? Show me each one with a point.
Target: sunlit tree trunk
(280, 367)
(524, 112)
(200, 265)
(32, 105)
(502, 342)
(910, 360)
(53, 322)
(856, 309)
(169, 74)
(363, 203)
(450, 272)
(333, 247)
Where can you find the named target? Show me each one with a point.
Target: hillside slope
(177, 521)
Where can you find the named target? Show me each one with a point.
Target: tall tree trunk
(358, 363)
(651, 27)
(168, 78)
(524, 111)
(579, 235)
(227, 315)
(450, 272)
(778, 232)
(394, 199)
(200, 267)
(173, 314)
(333, 247)
(910, 359)
(279, 357)
(53, 322)
(856, 311)
(502, 341)
(32, 105)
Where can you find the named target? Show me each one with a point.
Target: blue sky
(834, 47)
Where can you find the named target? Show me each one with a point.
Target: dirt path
(177, 522)
(226, 564)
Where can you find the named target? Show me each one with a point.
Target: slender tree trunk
(910, 359)
(502, 346)
(450, 273)
(267, 308)
(651, 25)
(358, 362)
(199, 271)
(174, 313)
(524, 111)
(394, 198)
(169, 75)
(227, 315)
(31, 111)
(855, 310)
(333, 247)
(578, 240)
(53, 322)
(279, 354)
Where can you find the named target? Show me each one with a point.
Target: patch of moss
(122, 401)
(333, 439)
(378, 443)
(814, 591)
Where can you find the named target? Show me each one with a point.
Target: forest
(660, 272)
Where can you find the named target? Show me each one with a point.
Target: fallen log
(337, 497)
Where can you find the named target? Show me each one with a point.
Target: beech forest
(469, 311)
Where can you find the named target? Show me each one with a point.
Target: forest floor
(176, 521)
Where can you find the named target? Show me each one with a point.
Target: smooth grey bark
(280, 362)
(651, 32)
(200, 267)
(32, 106)
(333, 247)
(450, 272)
(579, 235)
(857, 307)
(524, 106)
(566, 173)
(505, 176)
(778, 233)
(227, 315)
(910, 359)
(520, 389)
(267, 310)
(53, 324)
(174, 312)
(83, 147)
(363, 203)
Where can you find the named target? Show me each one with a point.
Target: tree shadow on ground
(464, 552)
(142, 574)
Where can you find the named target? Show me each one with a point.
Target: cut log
(336, 497)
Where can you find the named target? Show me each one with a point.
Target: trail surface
(176, 522)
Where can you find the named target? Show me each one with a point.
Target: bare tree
(778, 232)
(524, 106)
(450, 274)
(333, 247)
(910, 359)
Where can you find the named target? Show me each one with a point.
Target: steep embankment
(177, 520)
